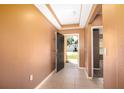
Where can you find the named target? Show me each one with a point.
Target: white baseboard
(101, 80)
(90, 78)
(81, 67)
(42, 82)
(87, 75)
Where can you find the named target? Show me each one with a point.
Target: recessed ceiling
(67, 13)
(85, 12)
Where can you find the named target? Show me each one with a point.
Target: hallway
(33, 44)
(71, 78)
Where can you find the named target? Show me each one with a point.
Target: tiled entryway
(71, 77)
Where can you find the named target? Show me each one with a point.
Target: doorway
(97, 51)
(72, 49)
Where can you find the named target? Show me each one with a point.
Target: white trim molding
(71, 28)
(87, 75)
(46, 12)
(43, 81)
(82, 68)
(85, 12)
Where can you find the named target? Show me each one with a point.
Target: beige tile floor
(71, 77)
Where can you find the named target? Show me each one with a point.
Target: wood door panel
(60, 51)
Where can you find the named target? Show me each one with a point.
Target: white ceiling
(85, 12)
(67, 13)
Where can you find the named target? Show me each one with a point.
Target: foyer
(71, 77)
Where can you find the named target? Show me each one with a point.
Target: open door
(97, 52)
(60, 52)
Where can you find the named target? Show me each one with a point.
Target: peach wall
(113, 22)
(26, 46)
(88, 49)
(96, 22)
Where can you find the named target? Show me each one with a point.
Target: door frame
(92, 63)
(55, 51)
(78, 46)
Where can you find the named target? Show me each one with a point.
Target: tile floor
(71, 77)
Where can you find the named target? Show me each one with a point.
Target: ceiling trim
(47, 13)
(53, 13)
(71, 28)
(70, 25)
(80, 14)
(96, 11)
(85, 12)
